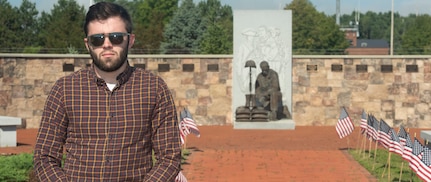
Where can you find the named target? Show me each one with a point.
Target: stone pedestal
(426, 135)
(284, 124)
(8, 131)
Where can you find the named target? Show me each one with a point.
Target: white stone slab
(426, 135)
(285, 124)
(8, 131)
(7, 121)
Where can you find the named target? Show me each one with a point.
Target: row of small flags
(187, 126)
(412, 151)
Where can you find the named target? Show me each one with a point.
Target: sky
(404, 7)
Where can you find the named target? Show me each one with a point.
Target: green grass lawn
(378, 161)
(19, 168)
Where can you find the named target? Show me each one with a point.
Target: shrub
(16, 167)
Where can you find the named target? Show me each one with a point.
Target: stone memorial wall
(396, 89)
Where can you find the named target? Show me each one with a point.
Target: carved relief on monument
(262, 65)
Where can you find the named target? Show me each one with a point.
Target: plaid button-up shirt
(108, 135)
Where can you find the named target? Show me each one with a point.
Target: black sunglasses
(116, 38)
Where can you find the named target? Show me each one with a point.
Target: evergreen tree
(28, 27)
(218, 20)
(184, 32)
(150, 18)
(9, 25)
(62, 30)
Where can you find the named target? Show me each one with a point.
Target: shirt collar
(121, 78)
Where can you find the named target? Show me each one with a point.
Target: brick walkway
(225, 154)
(304, 154)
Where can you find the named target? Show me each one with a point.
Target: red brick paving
(223, 154)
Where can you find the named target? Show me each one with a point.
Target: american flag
(395, 146)
(416, 155)
(376, 128)
(424, 170)
(384, 137)
(180, 177)
(408, 148)
(364, 122)
(344, 125)
(370, 127)
(402, 135)
(187, 125)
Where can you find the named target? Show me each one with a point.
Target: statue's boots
(273, 115)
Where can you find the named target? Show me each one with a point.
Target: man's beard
(117, 63)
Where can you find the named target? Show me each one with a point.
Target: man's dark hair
(105, 10)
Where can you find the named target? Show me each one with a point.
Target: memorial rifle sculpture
(249, 112)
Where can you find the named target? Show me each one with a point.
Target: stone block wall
(200, 83)
(396, 89)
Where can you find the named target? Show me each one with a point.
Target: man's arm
(48, 151)
(275, 82)
(166, 138)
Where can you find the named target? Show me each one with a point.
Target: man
(267, 90)
(108, 118)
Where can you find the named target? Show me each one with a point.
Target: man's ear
(131, 40)
(86, 44)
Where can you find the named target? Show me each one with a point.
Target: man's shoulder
(80, 75)
(271, 71)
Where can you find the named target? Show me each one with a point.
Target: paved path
(304, 154)
(223, 154)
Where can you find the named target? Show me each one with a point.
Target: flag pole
(389, 166)
(369, 148)
(401, 171)
(358, 144)
(365, 147)
(402, 162)
(411, 171)
(384, 169)
(185, 142)
(348, 143)
(375, 148)
(363, 142)
(375, 153)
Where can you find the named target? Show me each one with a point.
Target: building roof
(372, 43)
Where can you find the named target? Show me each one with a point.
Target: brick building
(364, 46)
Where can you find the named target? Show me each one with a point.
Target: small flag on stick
(187, 125)
(180, 177)
(364, 122)
(344, 125)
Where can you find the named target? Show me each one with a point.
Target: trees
(203, 29)
(63, 28)
(184, 32)
(150, 18)
(161, 26)
(9, 26)
(218, 20)
(313, 32)
(417, 36)
(28, 27)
